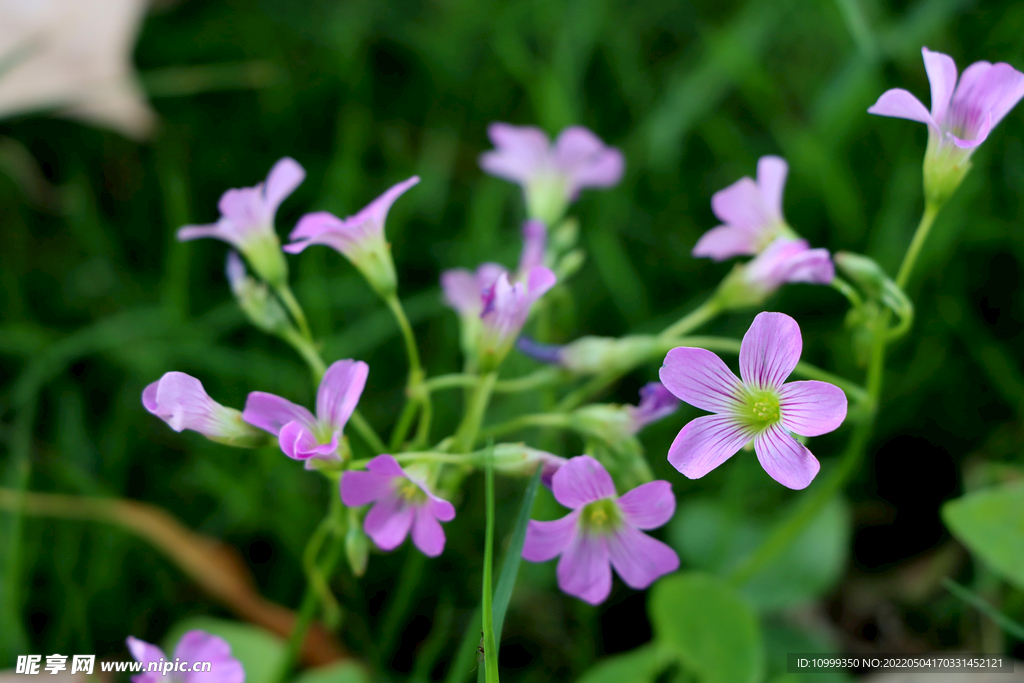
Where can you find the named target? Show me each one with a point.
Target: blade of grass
(974, 600)
(490, 648)
(513, 556)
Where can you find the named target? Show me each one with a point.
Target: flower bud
(254, 298)
(180, 401)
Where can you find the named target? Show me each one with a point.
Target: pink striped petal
(812, 408)
(427, 534)
(770, 350)
(639, 559)
(725, 241)
(580, 481)
(901, 104)
(786, 460)
(942, 78)
(700, 378)
(284, 177)
(362, 488)
(771, 178)
(705, 443)
(271, 413)
(388, 522)
(649, 505)
(339, 392)
(584, 570)
(547, 540)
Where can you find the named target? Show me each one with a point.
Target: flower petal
(388, 522)
(770, 350)
(812, 408)
(144, 652)
(580, 481)
(439, 507)
(461, 291)
(200, 646)
(656, 402)
(901, 104)
(284, 177)
(584, 570)
(649, 505)
(812, 265)
(521, 152)
(339, 392)
(586, 160)
(427, 534)
(942, 78)
(271, 413)
(377, 210)
(535, 239)
(547, 540)
(705, 443)
(771, 179)
(726, 241)
(639, 559)
(987, 92)
(362, 488)
(700, 378)
(786, 460)
(741, 205)
(386, 464)
(181, 401)
(298, 443)
(214, 230)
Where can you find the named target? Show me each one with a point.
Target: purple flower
(656, 402)
(180, 401)
(301, 435)
(751, 213)
(535, 238)
(247, 220)
(505, 309)
(401, 503)
(551, 177)
(463, 289)
(962, 114)
(784, 260)
(360, 237)
(603, 531)
(758, 408)
(195, 648)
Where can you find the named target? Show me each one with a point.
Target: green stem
(694, 319)
(847, 290)
(366, 430)
(304, 347)
(931, 210)
(538, 378)
(971, 598)
(404, 423)
(310, 601)
(292, 304)
(411, 351)
(490, 647)
(471, 421)
(557, 420)
(415, 385)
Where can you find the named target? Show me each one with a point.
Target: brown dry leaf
(75, 57)
(216, 567)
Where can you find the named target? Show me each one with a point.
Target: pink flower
(759, 407)
(551, 176)
(463, 289)
(194, 649)
(603, 531)
(506, 307)
(181, 401)
(656, 402)
(786, 260)
(360, 237)
(401, 503)
(247, 220)
(302, 435)
(962, 116)
(751, 213)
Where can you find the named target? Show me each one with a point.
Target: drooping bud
(258, 304)
(181, 401)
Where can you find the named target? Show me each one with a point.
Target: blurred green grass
(97, 299)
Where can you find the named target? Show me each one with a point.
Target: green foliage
(990, 523)
(342, 672)
(642, 665)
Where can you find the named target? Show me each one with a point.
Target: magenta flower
(302, 436)
(751, 213)
(656, 402)
(247, 220)
(360, 237)
(551, 177)
(194, 649)
(401, 503)
(181, 401)
(506, 307)
(759, 407)
(603, 531)
(962, 115)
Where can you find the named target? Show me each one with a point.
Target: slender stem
(558, 420)
(304, 347)
(535, 379)
(414, 387)
(694, 319)
(292, 304)
(405, 419)
(423, 429)
(490, 647)
(467, 432)
(367, 431)
(415, 369)
(847, 290)
(311, 598)
(931, 210)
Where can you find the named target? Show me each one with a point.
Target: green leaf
(708, 537)
(341, 672)
(259, 651)
(712, 630)
(641, 665)
(513, 557)
(990, 523)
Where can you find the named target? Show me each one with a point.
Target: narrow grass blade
(487, 608)
(976, 601)
(513, 556)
